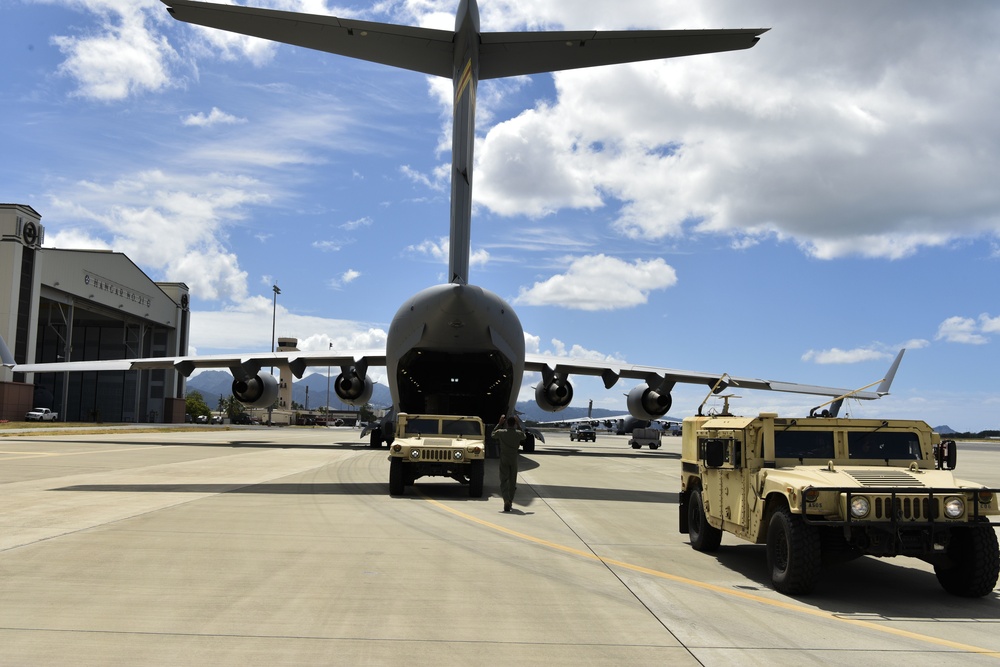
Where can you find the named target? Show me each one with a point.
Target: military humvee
(443, 445)
(822, 490)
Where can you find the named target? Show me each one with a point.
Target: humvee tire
(396, 474)
(974, 562)
(793, 553)
(476, 474)
(704, 537)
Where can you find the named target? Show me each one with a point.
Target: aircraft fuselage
(455, 349)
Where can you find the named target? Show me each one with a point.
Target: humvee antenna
(719, 385)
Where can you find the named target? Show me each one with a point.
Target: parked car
(245, 418)
(42, 415)
(582, 432)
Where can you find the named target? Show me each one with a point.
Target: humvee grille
(435, 454)
(912, 509)
(887, 477)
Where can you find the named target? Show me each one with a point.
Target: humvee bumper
(894, 508)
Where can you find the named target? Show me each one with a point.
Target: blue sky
(798, 211)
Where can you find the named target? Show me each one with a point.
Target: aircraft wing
(250, 364)
(588, 420)
(655, 376)
(517, 53)
(417, 49)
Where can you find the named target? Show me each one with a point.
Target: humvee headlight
(474, 450)
(860, 507)
(810, 495)
(985, 497)
(414, 453)
(397, 448)
(954, 507)
(459, 455)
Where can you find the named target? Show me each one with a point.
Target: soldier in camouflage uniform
(510, 437)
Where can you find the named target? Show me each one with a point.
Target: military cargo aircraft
(456, 348)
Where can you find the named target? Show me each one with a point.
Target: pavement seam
(757, 599)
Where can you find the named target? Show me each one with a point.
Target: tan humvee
(821, 490)
(444, 445)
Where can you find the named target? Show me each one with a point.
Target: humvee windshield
(461, 427)
(422, 426)
(803, 445)
(448, 427)
(883, 445)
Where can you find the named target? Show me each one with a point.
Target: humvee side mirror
(714, 453)
(947, 455)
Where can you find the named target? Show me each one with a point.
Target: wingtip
(883, 388)
(6, 358)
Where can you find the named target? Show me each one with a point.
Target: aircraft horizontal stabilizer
(417, 49)
(501, 54)
(518, 53)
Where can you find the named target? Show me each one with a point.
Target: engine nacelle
(646, 403)
(554, 395)
(260, 391)
(354, 389)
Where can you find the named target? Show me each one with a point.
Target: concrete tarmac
(282, 547)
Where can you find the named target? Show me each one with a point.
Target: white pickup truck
(41, 415)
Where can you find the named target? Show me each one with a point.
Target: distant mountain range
(216, 384)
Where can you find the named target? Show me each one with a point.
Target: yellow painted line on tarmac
(780, 604)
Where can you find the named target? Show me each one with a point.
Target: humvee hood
(871, 477)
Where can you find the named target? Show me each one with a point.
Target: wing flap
(518, 53)
(417, 49)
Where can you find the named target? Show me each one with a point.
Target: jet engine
(553, 395)
(647, 403)
(354, 387)
(260, 391)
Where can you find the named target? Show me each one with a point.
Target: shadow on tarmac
(431, 487)
(232, 444)
(869, 588)
(543, 450)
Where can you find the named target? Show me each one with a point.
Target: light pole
(274, 313)
(328, 392)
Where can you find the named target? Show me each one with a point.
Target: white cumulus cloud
(214, 117)
(600, 282)
(968, 330)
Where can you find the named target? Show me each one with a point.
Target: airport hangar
(85, 305)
